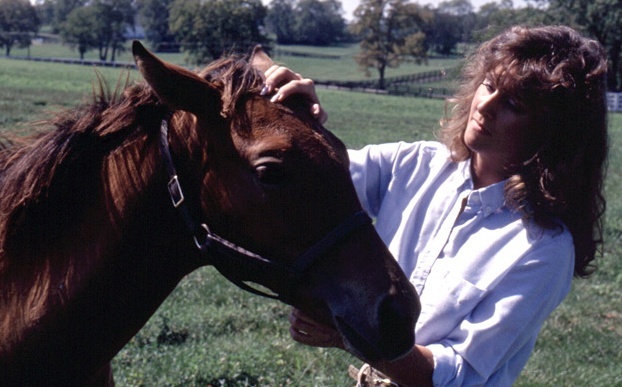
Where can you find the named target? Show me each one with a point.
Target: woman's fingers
(307, 331)
(285, 83)
(277, 76)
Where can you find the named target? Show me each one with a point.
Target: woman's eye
(515, 104)
(488, 86)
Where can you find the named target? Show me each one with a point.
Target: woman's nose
(488, 103)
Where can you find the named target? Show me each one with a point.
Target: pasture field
(210, 333)
(342, 67)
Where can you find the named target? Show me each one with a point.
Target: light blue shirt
(487, 279)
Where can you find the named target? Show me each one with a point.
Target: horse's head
(271, 179)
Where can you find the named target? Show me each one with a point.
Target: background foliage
(388, 32)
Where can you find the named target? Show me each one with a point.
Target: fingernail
(276, 98)
(264, 90)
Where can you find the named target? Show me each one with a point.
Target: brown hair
(561, 75)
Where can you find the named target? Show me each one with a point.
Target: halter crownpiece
(238, 264)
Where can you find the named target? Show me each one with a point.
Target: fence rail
(83, 62)
(614, 102)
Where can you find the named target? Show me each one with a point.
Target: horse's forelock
(236, 79)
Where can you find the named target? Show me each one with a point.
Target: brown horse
(101, 217)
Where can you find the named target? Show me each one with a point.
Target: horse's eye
(272, 173)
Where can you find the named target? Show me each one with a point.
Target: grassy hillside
(209, 332)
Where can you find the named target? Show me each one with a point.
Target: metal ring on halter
(202, 246)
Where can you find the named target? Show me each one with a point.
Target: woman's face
(500, 129)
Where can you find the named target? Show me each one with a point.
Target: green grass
(209, 332)
(344, 68)
(29, 90)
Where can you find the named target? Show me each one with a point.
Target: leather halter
(238, 264)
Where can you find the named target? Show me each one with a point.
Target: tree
(101, 24)
(45, 11)
(310, 22)
(78, 30)
(391, 32)
(208, 29)
(62, 9)
(601, 19)
(281, 20)
(493, 18)
(452, 24)
(154, 17)
(18, 20)
(319, 23)
(115, 17)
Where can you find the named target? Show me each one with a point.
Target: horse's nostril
(394, 315)
(390, 314)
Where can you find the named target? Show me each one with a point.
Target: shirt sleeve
(372, 169)
(493, 343)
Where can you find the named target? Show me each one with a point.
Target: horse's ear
(260, 60)
(179, 88)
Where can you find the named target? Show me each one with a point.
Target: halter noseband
(238, 264)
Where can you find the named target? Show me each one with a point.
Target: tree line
(389, 32)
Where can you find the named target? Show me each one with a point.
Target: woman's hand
(414, 369)
(305, 330)
(286, 83)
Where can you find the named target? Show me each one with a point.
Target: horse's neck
(109, 280)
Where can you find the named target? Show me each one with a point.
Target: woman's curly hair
(561, 76)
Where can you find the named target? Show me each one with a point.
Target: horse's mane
(49, 179)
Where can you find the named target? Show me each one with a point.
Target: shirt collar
(489, 199)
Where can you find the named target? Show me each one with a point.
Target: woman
(492, 222)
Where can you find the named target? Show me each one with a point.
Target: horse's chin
(379, 350)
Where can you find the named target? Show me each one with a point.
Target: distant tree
(319, 23)
(154, 17)
(102, 25)
(281, 20)
(208, 29)
(62, 9)
(494, 17)
(18, 20)
(453, 23)
(45, 11)
(601, 19)
(78, 30)
(115, 17)
(391, 32)
(309, 22)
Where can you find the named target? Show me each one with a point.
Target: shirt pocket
(447, 299)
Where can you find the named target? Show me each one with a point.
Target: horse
(104, 213)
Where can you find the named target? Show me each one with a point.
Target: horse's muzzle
(390, 338)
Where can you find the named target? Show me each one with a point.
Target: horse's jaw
(376, 310)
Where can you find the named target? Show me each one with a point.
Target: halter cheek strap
(238, 264)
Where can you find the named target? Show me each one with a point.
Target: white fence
(614, 102)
